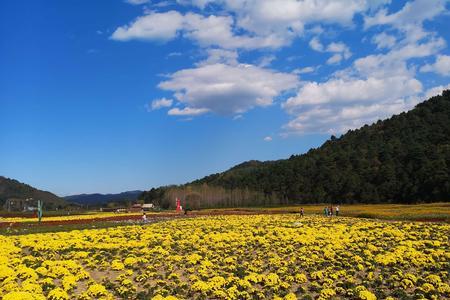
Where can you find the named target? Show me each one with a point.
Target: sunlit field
(232, 257)
(420, 212)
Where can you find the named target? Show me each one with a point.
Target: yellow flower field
(232, 257)
(402, 212)
(87, 216)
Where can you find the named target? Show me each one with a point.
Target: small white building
(147, 206)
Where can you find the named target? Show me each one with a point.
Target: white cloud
(353, 91)
(172, 54)
(266, 60)
(226, 89)
(162, 3)
(394, 62)
(437, 90)
(384, 40)
(222, 56)
(206, 31)
(187, 111)
(218, 31)
(199, 3)
(415, 50)
(160, 103)
(287, 18)
(340, 50)
(317, 30)
(260, 23)
(374, 87)
(409, 20)
(137, 2)
(414, 12)
(268, 139)
(154, 26)
(440, 66)
(304, 70)
(316, 45)
(336, 119)
(335, 59)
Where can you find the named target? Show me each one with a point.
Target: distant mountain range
(404, 159)
(102, 199)
(17, 193)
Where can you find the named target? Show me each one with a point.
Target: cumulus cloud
(268, 139)
(394, 63)
(316, 45)
(413, 13)
(187, 111)
(409, 20)
(214, 56)
(205, 30)
(340, 50)
(137, 2)
(288, 18)
(266, 60)
(154, 26)
(260, 23)
(339, 119)
(172, 54)
(373, 87)
(304, 70)
(437, 90)
(352, 91)
(384, 40)
(440, 66)
(226, 89)
(160, 103)
(335, 59)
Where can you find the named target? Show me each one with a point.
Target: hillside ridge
(18, 192)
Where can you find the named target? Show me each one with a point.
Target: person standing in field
(144, 218)
(331, 210)
(325, 211)
(301, 212)
(337, 210)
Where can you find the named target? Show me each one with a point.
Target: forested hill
(404, 159)
(16, 191)
(102, 199)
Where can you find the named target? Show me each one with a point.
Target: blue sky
(108, 96)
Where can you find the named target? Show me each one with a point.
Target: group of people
(327, 211)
